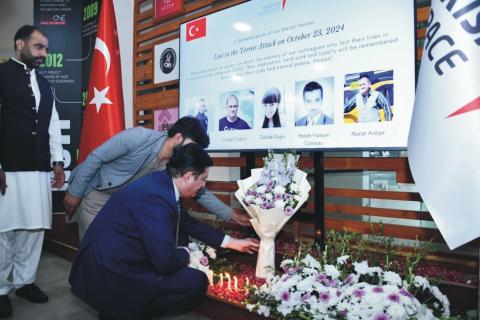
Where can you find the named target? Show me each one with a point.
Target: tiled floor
(52, 278)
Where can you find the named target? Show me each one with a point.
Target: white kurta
(27, 203)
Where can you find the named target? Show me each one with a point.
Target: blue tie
(178, 225)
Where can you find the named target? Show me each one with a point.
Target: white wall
(13, 15)
(124, 16)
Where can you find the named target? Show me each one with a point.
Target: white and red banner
(443, 147)
(104, 115)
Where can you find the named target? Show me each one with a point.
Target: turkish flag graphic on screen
(196, 29)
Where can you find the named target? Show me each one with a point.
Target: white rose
(293, 186)
(192, 246)
(342, 260)
(261, 189)
(211, 252)
(331, 271)
(280, 204)
(392, 278)
(279, 189)
(397, 311)
(263, 310)
(361, 267)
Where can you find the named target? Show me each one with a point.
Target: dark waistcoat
(24, 138)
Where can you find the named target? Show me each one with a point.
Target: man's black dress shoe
(5, 307)
(103, 316)
(32, 293)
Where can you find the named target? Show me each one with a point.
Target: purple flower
(324, 297)
(343, 313)
(294, 270)
(358, 293)
(381, 316)
(277, 196)
(305, 297)
(377, 289)
(405, 293)
(288, 210)
(285, 296)
(321, 277)
(348, 279)
(270, 185)
(204, 261)
(339, 293)
(394, 297)
(286, 276)
(331, 283)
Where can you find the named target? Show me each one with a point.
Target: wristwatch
(58, 163)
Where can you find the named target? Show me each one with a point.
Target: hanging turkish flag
(103, 115)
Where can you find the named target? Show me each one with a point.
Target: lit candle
(229, 283)
(247, 283)
(210, 277)
(221, 280)
(235, 283)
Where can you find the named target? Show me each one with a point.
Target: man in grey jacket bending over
(127, 156)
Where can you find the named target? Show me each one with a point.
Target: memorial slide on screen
(309, 74)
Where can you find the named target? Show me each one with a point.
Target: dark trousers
(180, 292)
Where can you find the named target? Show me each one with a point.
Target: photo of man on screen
(313, 101)
(371, 105)
(232, 121)
(201, 113)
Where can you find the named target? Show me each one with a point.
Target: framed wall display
(166, 61)
(168, 8)
(164, 118)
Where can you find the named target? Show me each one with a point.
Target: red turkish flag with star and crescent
(196, 29)
(443, 147)
(104, 115)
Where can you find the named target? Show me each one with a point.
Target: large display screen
(302, 74)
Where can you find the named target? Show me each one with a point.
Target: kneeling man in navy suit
(129, 263)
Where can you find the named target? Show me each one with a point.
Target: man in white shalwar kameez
(30, 145)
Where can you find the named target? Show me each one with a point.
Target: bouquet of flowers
(271, 195)
(309, 290)
(200, 256)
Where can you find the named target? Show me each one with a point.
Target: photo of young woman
(271, 101)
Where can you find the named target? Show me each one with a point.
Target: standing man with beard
(30, 146)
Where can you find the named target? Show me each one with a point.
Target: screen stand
(249, 164)
(319, 199)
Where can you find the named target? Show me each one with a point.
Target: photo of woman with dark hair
(271, 101)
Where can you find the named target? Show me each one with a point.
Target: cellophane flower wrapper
(266, 221)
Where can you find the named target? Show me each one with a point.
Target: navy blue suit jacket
(130, 246)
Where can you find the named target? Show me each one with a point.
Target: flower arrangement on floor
(309, 289)
(271, 195)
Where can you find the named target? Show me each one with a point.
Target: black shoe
(103, 316)
(32, 293)
(5, 307)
